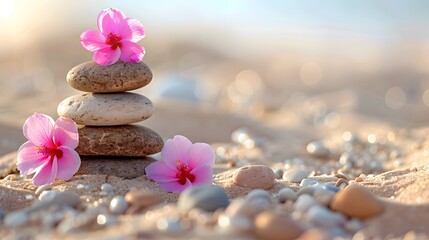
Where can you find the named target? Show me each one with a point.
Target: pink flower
(116, 40)
(183, 165)
(49, 151)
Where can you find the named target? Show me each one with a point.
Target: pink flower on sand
(116, 39)
(183, 165)
(49, 152)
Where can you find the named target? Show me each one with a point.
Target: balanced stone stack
(106, 112)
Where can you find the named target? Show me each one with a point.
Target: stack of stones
(106, 111)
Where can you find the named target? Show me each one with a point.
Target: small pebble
(42, 188)
(248, 208)
(29, 197)
(141, 199)
(356, 201)
(307, 182)
(205, 197)
(359, 179)
(322, 217)
(255, 177)
(295, 175)
(48, 194)
(353, 225)
(107, 187)
(340, 182)
(286, 194)
(271, 225)
(341, 175)
(258, 193)
(16, 219)
(306, 190)
(304, 202)
(278, 173)
(105, 220)
(80, 186)
(118, 205)
(323, 196)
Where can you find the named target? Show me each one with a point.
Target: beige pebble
(109, 109)
(271, 225)
(255, 177)
(140, 199)
(356, 201)
(341, 181)
(119, 77)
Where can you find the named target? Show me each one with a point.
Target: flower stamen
(51, 152)
(114, 41)
(184, 173)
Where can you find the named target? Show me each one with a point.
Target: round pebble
(42, 188)
(170, 226)
(109, 109)
(16, 219)
(323, 196)
(278, 173)
(271, 225)
(258, 193)
(356, 201)
(140, 199)
(295, 176)
(287, 194)
(322, 217)
(304, 202)
(107, 187)
(254, 176)
(118, 205)
(307, 182)
(234, 223)
(248, 208)
(119, 77)
(48, 194)
(206, 197)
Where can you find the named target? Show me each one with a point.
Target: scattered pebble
(234, 223)
(272, 225)
(341, 181)
(353, 225)
(141, 199)
(356, 201)
(304, 202)
(107, 188)
(16, 219)
(170, 226)
(295, 176)
(254, 176)
(42, 188)
(48, 194)
(322, 217)
(105, 220)
(205, 197)
(307, 182)
(258, 193)
(323, 196)
(29, 197)
(359, 179)
(248, 208)
(341, 175)
(278, 173)
(286, 194)
(118, 205)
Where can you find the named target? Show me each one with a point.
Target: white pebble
(29, 197)
(295, 175)
(118, 205)
(353, 225)
(42, 188)
(322, 217)
(304, 202)
(286, 194)
(308, 182)
(106, 187)
(258, 193)
(48, 195)
(323, 196)
(234, 223)
(16, 219)
(170, 226)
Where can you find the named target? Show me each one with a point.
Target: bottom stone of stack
(124, 141)
(124, 167)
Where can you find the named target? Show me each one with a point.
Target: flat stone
(127, 140)
(295, 176)
(119, 77)
(255, 177)
(356, 201)
(272, 225)
(205, 197)
(107, 109)
(123, 167)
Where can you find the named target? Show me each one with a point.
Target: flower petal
(159, 172)
(46, 173)
(38, 129)
(106, 56)
(29, 158)
(92, 40)
(108, 19)
(175, 187)
(68, 164)
(203, 175)
(200, 154)
(137, 29)
(131, 52)
(65, 133)
(175, 149)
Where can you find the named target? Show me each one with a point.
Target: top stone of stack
(119, 77)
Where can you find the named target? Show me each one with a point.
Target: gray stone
(124, 167)
(118, 205)
(205, 197)
(109, 109)
(127, 140)
(119, 77)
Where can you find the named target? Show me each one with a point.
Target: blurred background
(223, 64)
